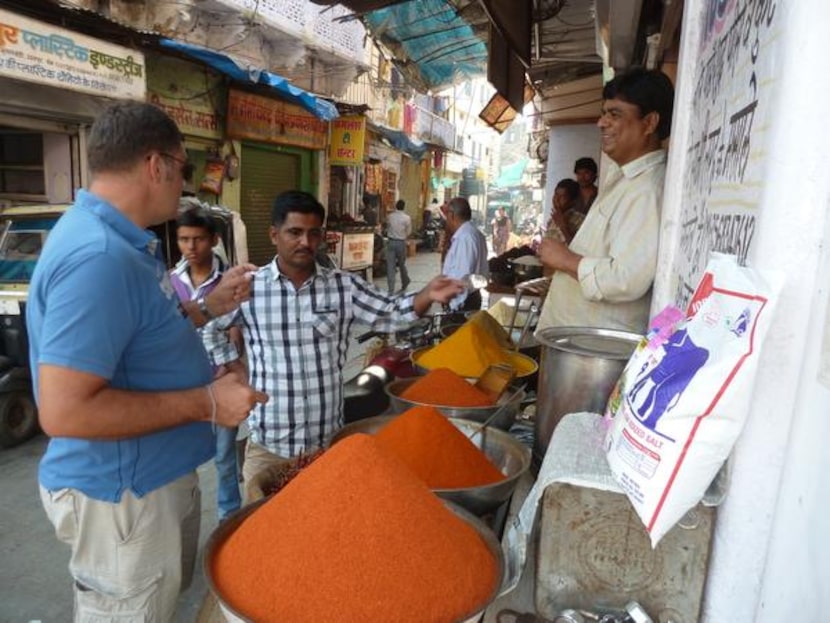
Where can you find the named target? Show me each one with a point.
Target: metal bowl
(477, 414)
(506, 452)
(532, 364)
(232, 523)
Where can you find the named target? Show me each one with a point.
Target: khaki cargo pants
(130, 560)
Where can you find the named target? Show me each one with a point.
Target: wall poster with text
(729, 128)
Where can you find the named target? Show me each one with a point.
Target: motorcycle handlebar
(365, 337)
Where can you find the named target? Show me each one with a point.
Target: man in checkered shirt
(296, 328)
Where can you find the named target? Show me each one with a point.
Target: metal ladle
(492, 417)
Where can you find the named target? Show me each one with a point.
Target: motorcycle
(432, 233)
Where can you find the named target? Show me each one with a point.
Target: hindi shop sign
(273, 121)
(38, 52)
(357, 251)
(348, 136)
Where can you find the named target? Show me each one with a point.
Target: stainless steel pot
(578, 371)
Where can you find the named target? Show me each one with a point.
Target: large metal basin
(506, 452)
(579, 368)
(476, 414)
(232, 523)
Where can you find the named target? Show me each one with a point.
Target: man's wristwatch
(203, 308)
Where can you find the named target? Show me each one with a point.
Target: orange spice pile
(355, 537)
(444, 387)
(434, 449)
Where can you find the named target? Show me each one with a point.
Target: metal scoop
(492, 417)
(495, 379)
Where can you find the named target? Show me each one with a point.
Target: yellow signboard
(348, 136)
(273, 121)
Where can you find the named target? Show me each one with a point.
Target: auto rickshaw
(23, 232)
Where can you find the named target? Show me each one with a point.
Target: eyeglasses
(186, 168)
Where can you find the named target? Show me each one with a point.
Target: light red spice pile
(438, 452)
(355, 538)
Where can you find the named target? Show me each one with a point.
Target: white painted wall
(567, 144)
(771, 551)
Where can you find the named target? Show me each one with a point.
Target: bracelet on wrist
(203, 309)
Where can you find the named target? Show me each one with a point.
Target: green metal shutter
(265, 174)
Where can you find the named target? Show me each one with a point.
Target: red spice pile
(444, 387)
(355, 537)
(439, 453)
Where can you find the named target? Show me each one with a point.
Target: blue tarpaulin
(400, 141)
(320, 108)
(433, 37)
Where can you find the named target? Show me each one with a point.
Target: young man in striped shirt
(296, 328)
(196, 275)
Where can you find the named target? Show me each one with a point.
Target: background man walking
(398, 228)
(466, 255)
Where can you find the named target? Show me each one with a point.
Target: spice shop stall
(571, 545)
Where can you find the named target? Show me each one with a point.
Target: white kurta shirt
(618, 244)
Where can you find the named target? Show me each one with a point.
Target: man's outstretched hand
(441, 289)
(232, 289)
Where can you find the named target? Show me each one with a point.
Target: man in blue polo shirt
(123, 384)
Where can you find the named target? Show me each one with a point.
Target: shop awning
(318, 107)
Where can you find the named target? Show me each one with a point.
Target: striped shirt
(296, 341)
(181, 273)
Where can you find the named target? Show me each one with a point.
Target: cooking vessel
(579, 368)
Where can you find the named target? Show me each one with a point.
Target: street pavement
(34, 578)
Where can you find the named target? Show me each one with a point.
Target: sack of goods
(684, 395)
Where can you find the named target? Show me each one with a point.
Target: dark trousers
(395, 259)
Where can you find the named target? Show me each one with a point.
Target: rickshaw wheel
(18, 418)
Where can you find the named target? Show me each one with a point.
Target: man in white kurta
(604, 278)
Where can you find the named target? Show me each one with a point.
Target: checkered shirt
(296, 342)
